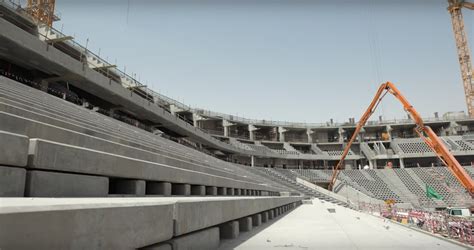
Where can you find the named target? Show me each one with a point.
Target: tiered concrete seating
(101, 141)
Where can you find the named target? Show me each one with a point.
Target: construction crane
(425, 132)
(42, 11)
(464, 54)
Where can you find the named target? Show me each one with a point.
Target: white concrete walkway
(313, 227)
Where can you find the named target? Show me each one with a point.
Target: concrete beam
(52, 184)
(12, 181)
(15, 152)
(94, 223)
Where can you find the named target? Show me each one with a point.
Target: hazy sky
(290, 60)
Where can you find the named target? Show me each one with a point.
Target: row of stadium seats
(382, 183)
(85, 137)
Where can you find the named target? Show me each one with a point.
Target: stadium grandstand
(93, 159)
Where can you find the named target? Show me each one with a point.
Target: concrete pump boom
(425, 132)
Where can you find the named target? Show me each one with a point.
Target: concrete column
(341, 135)
(221, 191)
(230, 191)
(252, 130)
(245, 224)
(402, 163)
(281, 131)
(309, 132)
(196, 118)
(229, 230)
(389, 132)
(271, 214)
(180, 189)
(256, 220)
(252, 160)
(265, 217)
(158, 188)
(226, 125)
(198, 190)
(211, 190)
(237, 191)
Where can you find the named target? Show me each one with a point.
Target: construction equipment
(425, 132)
(42, 11)
(464, 54)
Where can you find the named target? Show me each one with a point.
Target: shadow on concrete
(227, 244)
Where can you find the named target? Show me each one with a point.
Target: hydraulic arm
(425, 132)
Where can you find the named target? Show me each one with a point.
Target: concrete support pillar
(158, 188)
(271, 214)
(196, 118)
(230, 191)
(252, 130)
(245, 224)
(229, 230)
(181, 189)
(126, 186)
(221, 191)
(237, 191)
(252, 161)
(309, 132)
(226, 125)
(198, 190)
(389, 132)
(402, 163)
(281, 132)
(341, 132)
(265, 217)
(211, 190)
(256, 220)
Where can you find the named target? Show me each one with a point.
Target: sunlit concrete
(311, 226)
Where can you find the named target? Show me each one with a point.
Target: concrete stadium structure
(72, 125)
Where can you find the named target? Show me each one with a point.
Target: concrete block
(14, 149)
(265, 217)
(211, 190)
(180, 189)
(127, 187)
(256, 220)
(198, 190)
(158, 188)
(271, 214)
(229, 230)
(52, 184)
(245, 224)
(221, 191)
(12, 182)
(228, 209)
(77, 223)
(159, 246)
(230, 191)
(205, 239)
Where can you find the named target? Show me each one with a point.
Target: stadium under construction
(90, 158)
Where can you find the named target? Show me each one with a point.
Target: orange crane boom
(425, 132)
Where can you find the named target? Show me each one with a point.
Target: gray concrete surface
(53, 184)
(14, 149)
(204, 239)
(311, 226)
(117, 223)
(12, 181)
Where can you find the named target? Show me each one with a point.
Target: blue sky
(289, 60)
